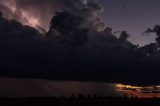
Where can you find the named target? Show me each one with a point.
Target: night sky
(134, 16)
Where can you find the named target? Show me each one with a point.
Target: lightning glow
(26, 18)
(30, 20)
(11, 4)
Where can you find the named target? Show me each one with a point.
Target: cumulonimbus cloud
(77, 47)
(39, 12)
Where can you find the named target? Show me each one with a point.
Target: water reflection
(138, 91)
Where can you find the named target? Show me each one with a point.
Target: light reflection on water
(138, 91)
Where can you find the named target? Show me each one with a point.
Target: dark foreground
(79, 102)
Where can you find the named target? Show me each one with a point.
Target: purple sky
(134, 16)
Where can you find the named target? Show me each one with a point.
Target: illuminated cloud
(38, 13)
(30, 20)
(11, 10)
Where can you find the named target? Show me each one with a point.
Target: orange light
(141, 92)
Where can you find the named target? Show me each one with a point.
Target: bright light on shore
(138, 91)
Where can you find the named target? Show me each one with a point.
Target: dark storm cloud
(74, 48)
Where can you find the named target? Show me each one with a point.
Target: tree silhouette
(89, 96)
(73, 96)
(81, 96)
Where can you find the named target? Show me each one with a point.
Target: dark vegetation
(109, 101)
